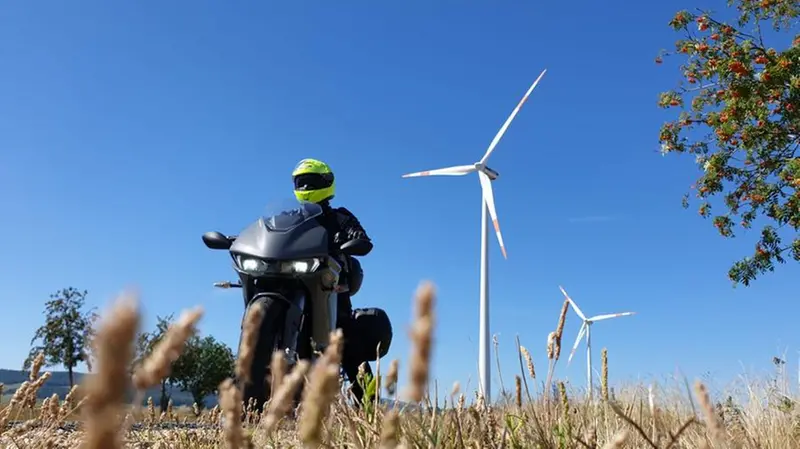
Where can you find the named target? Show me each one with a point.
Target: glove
(356, 234)
(340, 237)
(348, 235)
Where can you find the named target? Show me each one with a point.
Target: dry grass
(635, 417)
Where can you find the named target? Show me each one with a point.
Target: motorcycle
(285, 265)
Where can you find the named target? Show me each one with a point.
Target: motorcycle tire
(259, 388)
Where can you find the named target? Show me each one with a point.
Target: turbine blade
(610, 315)
(577, 342)
(459, 170)
(572, 303)
(502, 131)
(488, 197)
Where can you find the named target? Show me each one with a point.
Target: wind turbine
(486, 175)
(586, 328)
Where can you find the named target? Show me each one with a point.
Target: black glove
(340, 237)
(356, 234)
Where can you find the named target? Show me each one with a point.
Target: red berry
(737, 67)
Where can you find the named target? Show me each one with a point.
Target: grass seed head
(562, 319)
(230, 401)
(422, 341)
(247, 346)
(36, 365)
(106, 388)
(528, 361)
(159, 364)
(391, 377)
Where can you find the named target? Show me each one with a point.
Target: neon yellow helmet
(313, 181)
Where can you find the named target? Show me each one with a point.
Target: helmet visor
(311, 181)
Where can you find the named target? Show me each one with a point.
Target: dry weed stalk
(422, 341)
(278, 368)
(36, 365)
(391, 377)
(106, 389)
(562, 319)
(69, 404)
(230, 401)
(715, 427)
(31, 389)
(247, 345)
(159, 364)
(537, 423)
(151, 411)
(323, 386)
(390, 430)
(551, 346)
(618, 441)
(283, 396)
(562, 391)
(528, 362)
(604, 374)
(455, 389)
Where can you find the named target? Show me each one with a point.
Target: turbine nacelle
(587, 322)
(493, 175)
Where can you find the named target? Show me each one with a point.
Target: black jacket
(341, 225)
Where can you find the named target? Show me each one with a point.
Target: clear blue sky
(127, 129)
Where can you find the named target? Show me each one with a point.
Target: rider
(314, 182)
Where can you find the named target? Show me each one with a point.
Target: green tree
(202, 366)
(64, 337)
(145, 343)
(740, 118)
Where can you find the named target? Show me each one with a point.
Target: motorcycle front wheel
(268, 341)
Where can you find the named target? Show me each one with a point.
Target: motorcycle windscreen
(283, 216)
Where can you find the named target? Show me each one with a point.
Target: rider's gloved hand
(356, 234)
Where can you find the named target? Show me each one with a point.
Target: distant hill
(59, 384)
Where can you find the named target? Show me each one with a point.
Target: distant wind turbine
(586, 328)
(486, 175)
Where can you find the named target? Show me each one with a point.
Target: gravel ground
(69, 435)
(73, 426)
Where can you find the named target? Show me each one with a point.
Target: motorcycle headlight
(300, 266)
(252, 265)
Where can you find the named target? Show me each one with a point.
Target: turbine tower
(486, 175)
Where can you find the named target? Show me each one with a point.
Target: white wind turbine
(486, 175)
(586, 328)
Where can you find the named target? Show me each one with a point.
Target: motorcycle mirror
(356, 247)
(216, 240)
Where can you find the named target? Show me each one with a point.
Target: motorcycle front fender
(291, 323)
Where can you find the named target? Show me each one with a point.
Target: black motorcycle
(284, 264)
